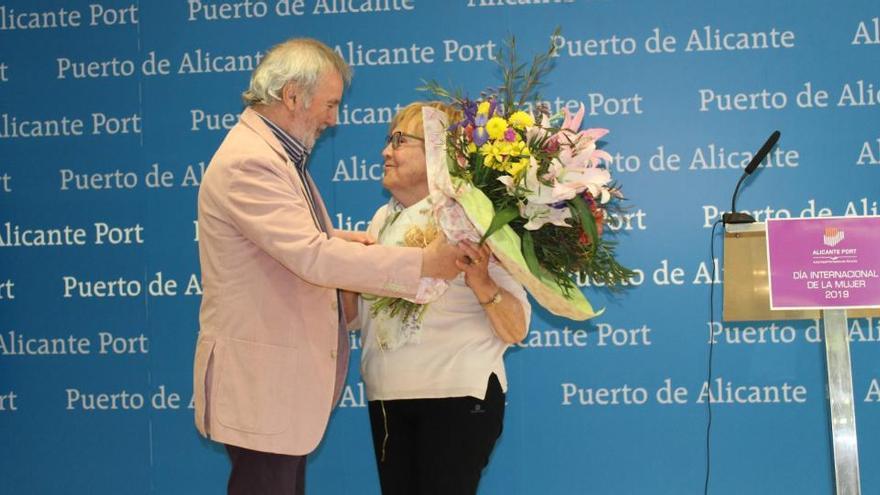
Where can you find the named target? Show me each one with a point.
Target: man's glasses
(398, 137)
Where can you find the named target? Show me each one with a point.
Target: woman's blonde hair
(409, 118)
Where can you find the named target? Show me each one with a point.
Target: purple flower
(470, 111)
(481, 120)
(492, 105)
(510, 135)
(480, 136)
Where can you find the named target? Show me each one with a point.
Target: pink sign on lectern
(831, 262)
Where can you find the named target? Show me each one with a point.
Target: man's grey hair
(298, 60)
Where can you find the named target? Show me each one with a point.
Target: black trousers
(263, 473)
(436, 446)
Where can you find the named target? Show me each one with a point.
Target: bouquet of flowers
(533, 184)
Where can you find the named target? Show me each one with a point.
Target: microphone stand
(735, 217)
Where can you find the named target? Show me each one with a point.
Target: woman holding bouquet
(434, 373)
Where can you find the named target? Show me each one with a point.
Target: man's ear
(289, 95)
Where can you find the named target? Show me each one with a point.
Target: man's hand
(355, 236)
(439, 259)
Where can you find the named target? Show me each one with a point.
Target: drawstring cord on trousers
(385, 422)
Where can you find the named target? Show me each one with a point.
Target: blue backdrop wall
(110, 111)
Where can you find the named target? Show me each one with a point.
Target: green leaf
(528, 249)
(588, 221)
(502, 217)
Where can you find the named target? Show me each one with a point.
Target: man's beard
(307, 132)
(309, 138)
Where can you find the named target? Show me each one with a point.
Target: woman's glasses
(397, 138)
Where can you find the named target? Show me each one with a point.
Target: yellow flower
(516, 167)
(520, 148)
(521, 120)
(496, 127)
(486, 151)
(471, 148)
(483, 108)
(495, 154)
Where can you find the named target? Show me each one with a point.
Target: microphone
(734, 216)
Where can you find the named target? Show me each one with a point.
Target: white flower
(576, 181)
(537, 205)
(537, 191)
(539, 214)
(538, 132)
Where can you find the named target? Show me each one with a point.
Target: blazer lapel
(319, 205)
(252, 120)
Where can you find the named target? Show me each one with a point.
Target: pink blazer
(265, 360)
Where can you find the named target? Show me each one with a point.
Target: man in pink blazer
(272, 350)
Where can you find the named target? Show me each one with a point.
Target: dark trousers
(262, 473)
(435, 446)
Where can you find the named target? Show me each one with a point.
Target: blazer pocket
(204, 353)
(255, 387)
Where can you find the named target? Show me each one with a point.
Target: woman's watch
(495, 299)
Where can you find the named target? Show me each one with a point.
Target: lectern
(837, 267)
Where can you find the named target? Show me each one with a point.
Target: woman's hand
(476, 269)
(505, 312)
